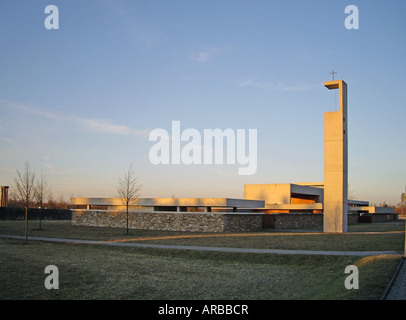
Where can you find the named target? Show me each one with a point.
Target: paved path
(222, 249)
(398, 289)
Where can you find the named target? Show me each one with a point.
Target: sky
(80, 101)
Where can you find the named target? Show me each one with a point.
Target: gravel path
(397, 291)
(222, 249)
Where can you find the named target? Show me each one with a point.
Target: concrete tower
(335, 206)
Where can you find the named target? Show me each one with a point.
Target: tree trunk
(26, 224)
(40, 215)
(127, 218)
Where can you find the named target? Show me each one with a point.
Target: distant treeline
(400, 208)
(50, 204)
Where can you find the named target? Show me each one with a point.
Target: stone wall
(352, 218)
(292, 221)
(242, 222)
(211, 221)
(378, 217)
(171, 221)
(298, 220)
(309, 220)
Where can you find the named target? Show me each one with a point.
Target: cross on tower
(333, 73)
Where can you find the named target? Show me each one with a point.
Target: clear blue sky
(78, 102)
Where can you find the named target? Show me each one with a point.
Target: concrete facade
(301, 198)
(336, 163)
(286, 197)
(170, 204)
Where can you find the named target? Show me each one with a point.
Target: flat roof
(175, 202)
(358, 202)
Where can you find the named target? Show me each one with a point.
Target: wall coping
(173, 212)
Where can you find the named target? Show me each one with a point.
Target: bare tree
(128, 189)
(41, 190)
(351, 193)
(24, 185)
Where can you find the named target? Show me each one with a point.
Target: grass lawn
(104, 272)
(361, 237)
